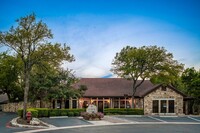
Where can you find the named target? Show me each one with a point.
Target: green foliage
(20, 112)
(76, 114)
(55, 112)
(29, 40)
(9, 77)
(42, 112)
(146, 62)
(115, 111)
(191, 80)
(34, 112)
(70, 114)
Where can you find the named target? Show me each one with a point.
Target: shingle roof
(112, 87)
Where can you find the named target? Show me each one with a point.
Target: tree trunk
(26, 89)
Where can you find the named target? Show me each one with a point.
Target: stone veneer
(160, 94)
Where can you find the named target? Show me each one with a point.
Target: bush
(124, 111)
(70, 114)
(54, 112)
(42, 112)
(76, 114)
(33, 112)
(63, 113)
(45, 112)
(92, 116)
(20, 113)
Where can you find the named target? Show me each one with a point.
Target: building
(117, 93)
(3, 100)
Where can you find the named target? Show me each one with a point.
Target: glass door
(163, 106)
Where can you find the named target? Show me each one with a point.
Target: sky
(97, 29)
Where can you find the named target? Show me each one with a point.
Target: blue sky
(97, 29)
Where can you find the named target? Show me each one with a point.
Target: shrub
(42, 112)
(92, 116)
(70, 114)
(124, 111)
(20, 112)
(76, 114)
(34, 112)
(54, 112)
(64, 113)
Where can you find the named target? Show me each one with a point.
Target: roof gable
(112, 87)
(160, 85)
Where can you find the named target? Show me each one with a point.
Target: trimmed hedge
(34, 112)
(45, 112)
(129, 111)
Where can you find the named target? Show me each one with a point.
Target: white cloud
(94, 40)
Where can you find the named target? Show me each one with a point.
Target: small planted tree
(138, 64)
(29, 40)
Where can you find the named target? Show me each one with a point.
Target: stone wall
(160, 94)
(13, 107)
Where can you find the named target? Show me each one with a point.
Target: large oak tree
(139, 64)
(29, 40)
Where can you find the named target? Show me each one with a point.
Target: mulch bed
(24, 122)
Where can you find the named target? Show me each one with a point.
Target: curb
(14, 123)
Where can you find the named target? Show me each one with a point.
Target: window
(67, 104)
(74, 104)
(155, 106)
(163, 104)
(106, 104)
(171, 106)
(122, 104)
(116, 104)
(58, 104)
(128, 105)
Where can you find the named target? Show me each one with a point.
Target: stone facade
(13, 107)
(160, 94)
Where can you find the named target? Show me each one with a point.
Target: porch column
(119, 103)
(70, 103)
(56, 104)
(125, 102)
(62, 103)
(111, 103)
(103, 103)
(97, 102)
(167, 107)
(77, 103)
(159, 104)
(186, 107)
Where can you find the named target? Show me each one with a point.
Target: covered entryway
(100, 106)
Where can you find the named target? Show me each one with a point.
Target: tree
(191, 80)
(9, 77)
(30, 41)
(138, 64)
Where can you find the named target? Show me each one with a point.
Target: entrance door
(100, 106)
(163, 106)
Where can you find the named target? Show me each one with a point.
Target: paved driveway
(165, 119)
(5, 118)
(62, 122)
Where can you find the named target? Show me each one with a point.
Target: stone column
(55, 104)
(119, 103)
(111, 103)
(77, 103)
(62, 103)
(70, 103)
